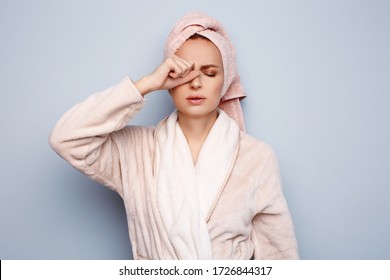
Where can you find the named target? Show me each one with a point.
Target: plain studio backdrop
(317, 76)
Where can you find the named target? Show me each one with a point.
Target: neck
(196, 129)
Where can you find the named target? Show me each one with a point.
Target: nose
(196, 83)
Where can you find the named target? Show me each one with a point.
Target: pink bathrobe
(249, 218)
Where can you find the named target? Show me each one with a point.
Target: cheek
(176, 90)
(219, 85)
(175, 93)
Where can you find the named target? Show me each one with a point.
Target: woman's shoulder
(254, 148)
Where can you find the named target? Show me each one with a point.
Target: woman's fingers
(182, 80)
(172, 72)
(179, 68)
(188, 67)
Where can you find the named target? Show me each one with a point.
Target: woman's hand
(173, 72)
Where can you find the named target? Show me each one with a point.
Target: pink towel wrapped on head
(199, 23)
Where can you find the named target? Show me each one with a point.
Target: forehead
(200, 51)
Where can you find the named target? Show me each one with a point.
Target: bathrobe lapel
(186, 194)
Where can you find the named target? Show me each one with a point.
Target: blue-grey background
(317, 75)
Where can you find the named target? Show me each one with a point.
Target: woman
(196, 186)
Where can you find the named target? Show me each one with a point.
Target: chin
(197, 112)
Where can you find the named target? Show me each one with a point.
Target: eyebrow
(208, 66)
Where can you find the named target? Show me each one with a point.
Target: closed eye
(210, 70)
(210, 74)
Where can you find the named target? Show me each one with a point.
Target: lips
(196, 99)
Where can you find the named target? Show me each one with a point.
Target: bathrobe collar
(187, 194)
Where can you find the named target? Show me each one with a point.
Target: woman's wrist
(144, 86)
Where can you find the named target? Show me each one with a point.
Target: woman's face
(201, 96)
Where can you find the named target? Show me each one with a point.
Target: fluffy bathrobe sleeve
(89, 137)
